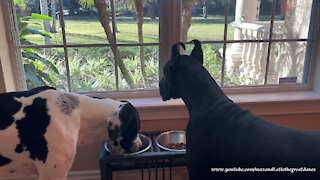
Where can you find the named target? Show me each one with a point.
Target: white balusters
(254, 54)
(262, 59)
(255, 57)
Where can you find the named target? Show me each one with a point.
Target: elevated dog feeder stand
(153, 158)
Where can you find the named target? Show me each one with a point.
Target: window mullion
(315, 8)
(270, 41)
(66, 56)
(170, 29)
(224, 41)
(116, 60)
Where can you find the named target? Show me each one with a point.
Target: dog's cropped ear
(176, 50)
(197, 51)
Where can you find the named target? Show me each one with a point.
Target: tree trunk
(54, 17)
(45, 24)
(115, 19)
(205, 9)
(134, 15)
(22, 9)
(186, 18)
(139, 11)
(104, 20)
(37, 7)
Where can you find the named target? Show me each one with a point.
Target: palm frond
(86, 3)
(130, 4)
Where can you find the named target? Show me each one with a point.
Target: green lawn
(88, 30)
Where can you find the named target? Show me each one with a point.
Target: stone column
(246, 11)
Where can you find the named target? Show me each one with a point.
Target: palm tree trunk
(139, 11)
(104, 19)
(45, 23)
(53, 15)
(186, 18)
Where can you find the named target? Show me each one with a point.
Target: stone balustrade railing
(252, 66)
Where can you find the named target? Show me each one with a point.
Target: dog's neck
(93, 118)
(200, 91)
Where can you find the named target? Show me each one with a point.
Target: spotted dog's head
(170, 82)
(123, 129)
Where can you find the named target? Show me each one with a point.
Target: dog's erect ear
(176, 51)
(197, 51)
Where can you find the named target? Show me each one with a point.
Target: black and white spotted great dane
(221, 135)
(40, 130)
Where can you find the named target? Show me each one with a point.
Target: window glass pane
(286, 65)
(137, 19)
(82, 24)
(251, 20)
(296, 18)
(264, 10)
(43, 69)
(82, 29)
(92, 69)
(231, 19)
(203, 20)
(132, 62)
(245, 64)
(147, 79)
(212, 59)
(38, 22)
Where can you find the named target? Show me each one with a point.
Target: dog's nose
(160, 82)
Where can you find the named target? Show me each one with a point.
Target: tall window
(115, 45)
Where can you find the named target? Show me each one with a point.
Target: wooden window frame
(167, 25)
(289, 103)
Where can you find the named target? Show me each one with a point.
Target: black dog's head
(123, 129)
(170, 83)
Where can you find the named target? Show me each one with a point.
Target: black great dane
(40, 130)
(227, 142)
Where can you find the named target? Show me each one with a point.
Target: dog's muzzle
(163, 92)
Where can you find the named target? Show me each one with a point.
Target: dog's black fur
(222, 135)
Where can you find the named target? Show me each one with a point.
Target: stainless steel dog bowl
(146, 145)
(169, 137)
